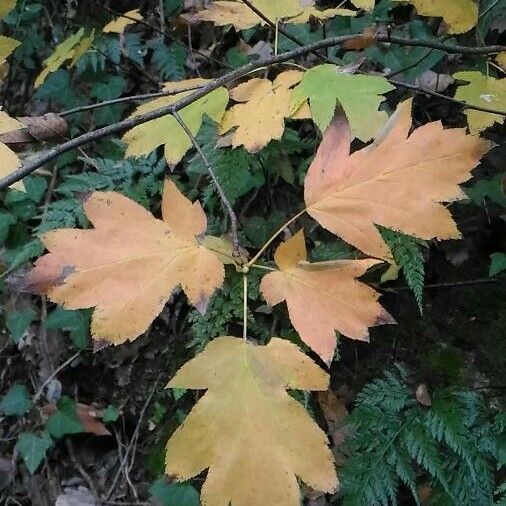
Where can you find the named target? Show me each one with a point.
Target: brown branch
(212, 175)
(224, 80)
(160, 31)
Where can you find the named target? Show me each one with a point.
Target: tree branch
(224, 80)
(212, 174)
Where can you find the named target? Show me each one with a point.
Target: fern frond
(407, 253)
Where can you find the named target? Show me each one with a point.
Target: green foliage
(33, 448)
(407, 253)
(174, 494)
(77, 323)
(455, 445)
(497, 264)
(18, 322)
(16, 401)
(64, 420)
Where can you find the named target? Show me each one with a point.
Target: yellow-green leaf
(7, 46)
(6, 6)
(227, 12)
(359, 96)
(144, 138)
(367, 5)
(255, 439)
(482, 91)
(120, 23)
(9, 161)
(63, 52)
(459, 15)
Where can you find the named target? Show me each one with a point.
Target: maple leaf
(119, 24)
(144, 138)
(72, 48)
(323, 297)
(239, 15)
(254, 438)
(459, 15)
(6, 6)
(10, 161)
(128, 265)
(484, 91)
(359, 96)
(398, 182)
(260, 117)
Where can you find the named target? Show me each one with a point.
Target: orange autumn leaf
(399, 181)
(129, 264)
(255, 439)
(323, 297)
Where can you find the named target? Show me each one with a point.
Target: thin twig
(464, 105)
(159, 31)
(276, 27)
(134, 437)
(224, 80)
(131, 98)
(55, 373)
(87, 478)
(212, 174)
(450, 284)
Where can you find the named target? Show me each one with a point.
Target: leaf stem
(263, 267)
(245, 306)
(273, 237)
(221, 192)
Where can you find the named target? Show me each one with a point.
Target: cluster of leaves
(385, 199)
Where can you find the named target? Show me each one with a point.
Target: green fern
(408, 255)
(396, 442)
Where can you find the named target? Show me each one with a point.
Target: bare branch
(212, 174)
(224, 80)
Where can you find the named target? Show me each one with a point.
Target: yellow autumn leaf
(459, 15)
(144, 138)
(255, 439)
(484, 91)
(9, 161)
(120, 23)
(314, 13)
(260, 115)
(6, 6)
(7, 46)
(64, 51)
(228, 12)
(82, 47)
(323, 297)
(128, 265)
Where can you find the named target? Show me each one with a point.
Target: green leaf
(18, 322)
(16, 401)
(258, 229)
(359, 96)
(6, 220)
(174, 494)
(108, 88)
(497, 264)
(35, 187)
(64, 420)
(111, 414)
(33, 448)
(490, 189)
(169, 61)
(75, 322)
